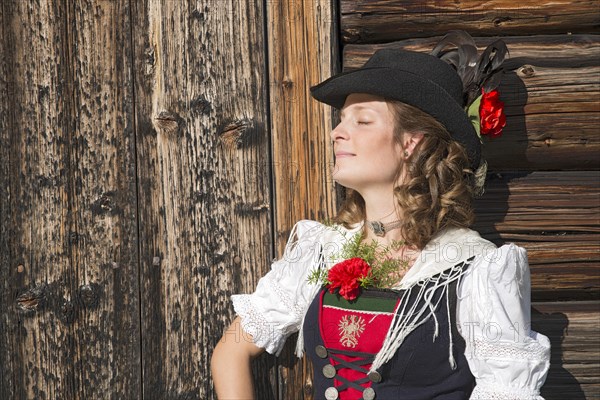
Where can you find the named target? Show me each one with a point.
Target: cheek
(394, 151)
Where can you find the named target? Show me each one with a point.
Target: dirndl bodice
(342, 338)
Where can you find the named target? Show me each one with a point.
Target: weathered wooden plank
(565, 281)
(103, 230)
(370, 21)
(573, 328)
(550, 90)
(70, 308)
(204, 180)
(543, 50)
(302, 47)
(10, 385)
(556, 217)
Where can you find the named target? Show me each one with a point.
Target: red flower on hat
(347, 275)
(491, 113)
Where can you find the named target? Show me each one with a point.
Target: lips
(341, 154)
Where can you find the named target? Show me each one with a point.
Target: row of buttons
(329, 371)
(332, 394)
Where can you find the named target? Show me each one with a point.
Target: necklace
(380, 229)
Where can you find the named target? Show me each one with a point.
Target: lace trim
(263, 333)
(499, 393)
(482, 349)
(297, 309)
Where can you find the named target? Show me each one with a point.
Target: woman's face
(366, 154)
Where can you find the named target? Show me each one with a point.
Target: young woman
(438, 312)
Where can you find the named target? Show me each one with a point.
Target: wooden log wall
(543, 189)
(155, 154)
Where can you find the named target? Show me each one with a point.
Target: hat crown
(423, 66)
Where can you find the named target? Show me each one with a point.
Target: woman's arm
(231, 363)
(506, 357)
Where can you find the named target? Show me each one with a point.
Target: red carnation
(346, 276)
(491, 112)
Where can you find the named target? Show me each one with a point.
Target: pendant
(377, 228)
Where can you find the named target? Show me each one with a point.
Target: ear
(410, 142)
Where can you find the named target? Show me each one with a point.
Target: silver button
(375, 376)
(321, 351)
(329, 371)
(369, 394)
(331, 393)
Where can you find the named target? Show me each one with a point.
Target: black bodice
(419, 370)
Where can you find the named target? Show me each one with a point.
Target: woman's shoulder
(455, 246)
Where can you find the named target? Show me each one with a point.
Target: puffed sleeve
(507, 358)
(276, 308)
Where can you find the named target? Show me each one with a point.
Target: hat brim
(408, 88)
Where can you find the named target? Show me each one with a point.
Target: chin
(346, 182)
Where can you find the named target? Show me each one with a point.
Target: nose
(339, 132)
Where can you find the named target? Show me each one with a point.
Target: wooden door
(148, 150)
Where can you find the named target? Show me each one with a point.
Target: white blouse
(507, 358)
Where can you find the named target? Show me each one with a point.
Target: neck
(381, 206)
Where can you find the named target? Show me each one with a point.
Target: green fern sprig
(385, 270)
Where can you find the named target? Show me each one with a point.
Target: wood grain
(70, 313)
(204, 180)
(10, 385)
(302, 52)
(370, 21)
(551, 93)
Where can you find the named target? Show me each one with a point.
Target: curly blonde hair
(438, 189)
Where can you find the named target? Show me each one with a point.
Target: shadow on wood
(488, 225)
(560, 384)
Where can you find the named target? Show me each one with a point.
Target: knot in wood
(167, 122)
(352, 35)
(287, 83)
(236, 134)
(498, 21)
(526, 71)
(201, 105)
(89, 295)
(106, 204)
(32, 300)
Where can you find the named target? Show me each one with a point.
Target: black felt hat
(418, 79)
